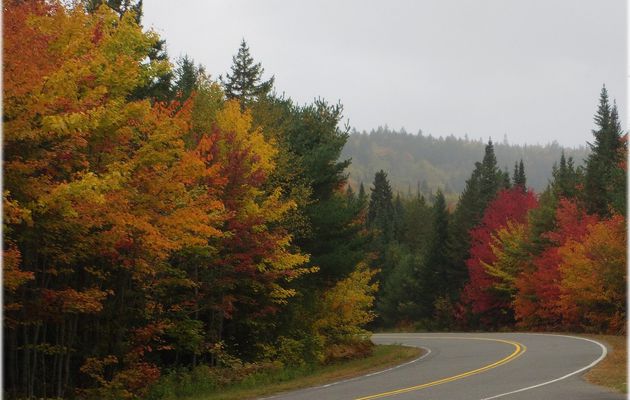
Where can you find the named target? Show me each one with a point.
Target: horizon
(486, 69)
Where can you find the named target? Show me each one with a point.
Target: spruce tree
(605, 184)
(362, 196)
(187, 77)
(381, 209)
(245, 82)
(519, 178)
(481, 188)
(399, 218)
(436, 277)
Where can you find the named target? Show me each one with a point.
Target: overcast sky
(531, 69)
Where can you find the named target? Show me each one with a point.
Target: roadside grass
(265, 383)
(612, 371)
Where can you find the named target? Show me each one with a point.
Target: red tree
(477, 296)
(536, 304)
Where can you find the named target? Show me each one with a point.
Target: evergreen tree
(481, 188)
(417, 224)
(505, 179)
(362, 195)
(519, 179)
(436, 278)
(605, 183)
(399, 218)
(381, 209)
(437, 256)
(491, 177)
(187, 77)
(566, 178)
(245, 82)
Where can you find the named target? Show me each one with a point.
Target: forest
(160, 223)
(420, 162)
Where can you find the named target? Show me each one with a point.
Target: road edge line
(428, 351)
(591, 365)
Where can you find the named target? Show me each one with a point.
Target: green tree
(245, 82)
(519, 179)
(481, 188)
(437, 261)
(605, 183)
(381, 209)
(187, 78)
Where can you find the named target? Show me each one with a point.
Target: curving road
(477, 366)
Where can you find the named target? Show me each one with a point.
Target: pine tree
(566, 178)
(187, 77)
(399, 218)
(436, 278)
(519, 179)
(381, 209)
(484, 183)
(491, 178)
(605, 182)
(245, 82)
(362, 196)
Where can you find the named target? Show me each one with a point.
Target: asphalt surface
(477, 366)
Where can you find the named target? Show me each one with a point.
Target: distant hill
(413, 161)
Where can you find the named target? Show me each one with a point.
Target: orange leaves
(594, 277)
(71, 301)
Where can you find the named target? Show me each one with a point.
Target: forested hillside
(164, 229)
(431, 163)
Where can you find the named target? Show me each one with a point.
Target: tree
(519, 179)
(593, 284)
(604, 178)
(187, 78)
(510, 205)
(438, 279)
(245, 82)
(481, 188)
(552, 224)
(381, 209)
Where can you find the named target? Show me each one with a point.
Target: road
(477, 366)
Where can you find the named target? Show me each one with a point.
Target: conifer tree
(245, 82)
(187, 77)
(436, 277)
(381, 209)
(605, 181)
(362, 195)
(519, 179)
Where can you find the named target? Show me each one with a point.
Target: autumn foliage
(136, 231)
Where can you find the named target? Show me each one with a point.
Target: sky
(531, 70)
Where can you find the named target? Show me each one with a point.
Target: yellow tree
(593, 285)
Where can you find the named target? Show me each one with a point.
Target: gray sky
(531, 69)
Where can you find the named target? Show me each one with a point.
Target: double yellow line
(519, 349)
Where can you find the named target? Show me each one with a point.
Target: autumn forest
(161, 223)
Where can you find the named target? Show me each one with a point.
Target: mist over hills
(416, 161)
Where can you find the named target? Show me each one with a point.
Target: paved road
(476, 366)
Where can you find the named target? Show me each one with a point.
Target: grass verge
(611, 372)
(267, 383)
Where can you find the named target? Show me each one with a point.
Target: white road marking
(428, 351)
(601, 357)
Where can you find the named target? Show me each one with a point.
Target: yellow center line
(519, 349)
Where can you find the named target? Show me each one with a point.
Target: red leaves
(509, 205)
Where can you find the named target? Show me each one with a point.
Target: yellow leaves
(232, 121)
(594, 275)
(347, 306)
(507, 247)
